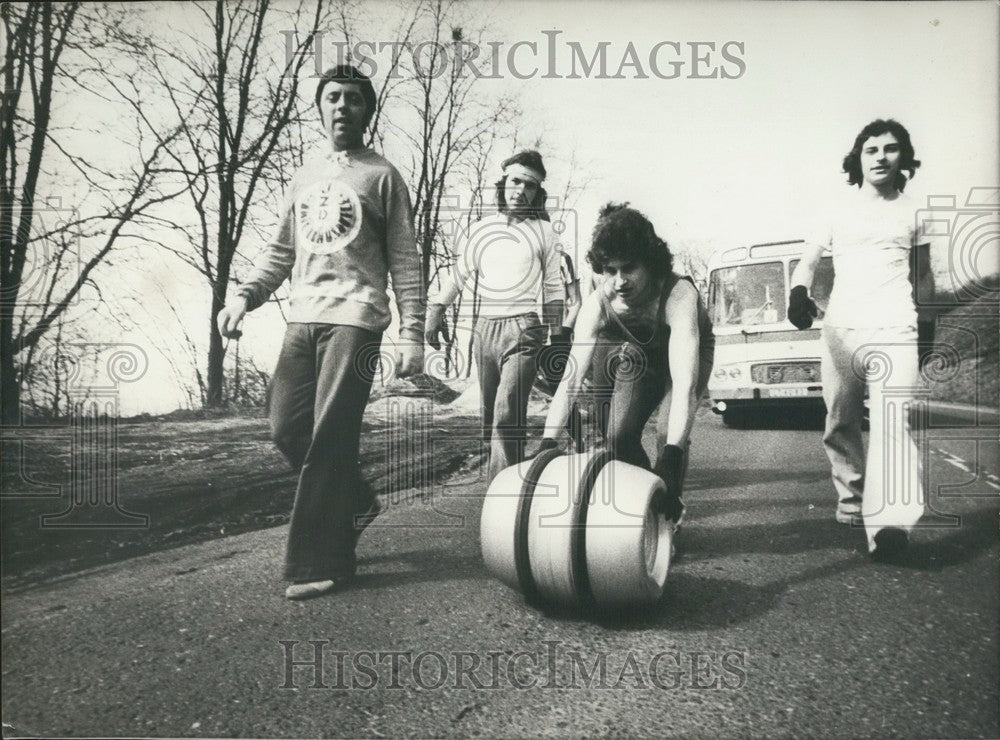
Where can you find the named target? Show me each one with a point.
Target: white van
(761, 360)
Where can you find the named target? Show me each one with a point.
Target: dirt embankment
(196, 480)
(964, 368)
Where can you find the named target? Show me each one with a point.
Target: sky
(743, 160)
(720, 162)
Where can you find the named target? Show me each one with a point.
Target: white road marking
(957, 462)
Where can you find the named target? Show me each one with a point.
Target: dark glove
(801, 308)
(670, 467)
(547, 443)
(435, 325)
(553, 357)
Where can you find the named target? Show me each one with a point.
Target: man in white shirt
(870, 333)
(515, 257)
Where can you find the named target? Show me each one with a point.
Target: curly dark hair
(908, 162)
(623, 233)
(345, 73)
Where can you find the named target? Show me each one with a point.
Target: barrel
(577, 530)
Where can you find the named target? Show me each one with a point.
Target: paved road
(774, 623)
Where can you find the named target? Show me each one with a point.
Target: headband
(524, 172)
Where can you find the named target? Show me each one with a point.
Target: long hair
(907, 161)
(625, 234)
(532, 159)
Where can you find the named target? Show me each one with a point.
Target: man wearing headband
(513, 257)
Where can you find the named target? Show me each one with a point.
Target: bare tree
(452, 118)
(693, 262)
(450, 131)
(43, 262)
(60, 371)
(235, 108)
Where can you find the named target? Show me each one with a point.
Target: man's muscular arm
(681, 400)
(681, 315)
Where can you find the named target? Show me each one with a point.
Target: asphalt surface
(774, 622)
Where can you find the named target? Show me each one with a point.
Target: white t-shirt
(871, 240)
(516, 263)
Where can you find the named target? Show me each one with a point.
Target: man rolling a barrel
(645, 339)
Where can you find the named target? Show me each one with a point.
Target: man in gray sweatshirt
(346, 224)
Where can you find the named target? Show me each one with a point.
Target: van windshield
(750, 295)
(746, 295)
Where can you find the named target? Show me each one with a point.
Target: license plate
(787, 392)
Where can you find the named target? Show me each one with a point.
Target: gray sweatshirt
(346, 223)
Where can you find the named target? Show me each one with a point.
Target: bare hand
(435, 326)
(409, 359)
(230, 317)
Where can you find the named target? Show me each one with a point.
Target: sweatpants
(317, 399)
(885, 485)
(506, 354)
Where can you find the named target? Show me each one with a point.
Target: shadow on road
(429, 565)
(697, 602)
(722, 478)
(811, 417)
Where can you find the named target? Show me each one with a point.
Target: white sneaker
(849, 517)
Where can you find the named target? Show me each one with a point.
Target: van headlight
(735, 372)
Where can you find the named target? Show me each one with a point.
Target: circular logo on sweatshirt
(329, 217)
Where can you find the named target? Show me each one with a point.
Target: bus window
(746, 295)
(822, 282)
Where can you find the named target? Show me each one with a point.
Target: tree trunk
(10, 390)
(216, 354)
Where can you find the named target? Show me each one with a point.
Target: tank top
(651, 336)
